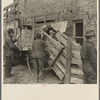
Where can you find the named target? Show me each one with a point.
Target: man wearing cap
(89, 59)
(9, 47)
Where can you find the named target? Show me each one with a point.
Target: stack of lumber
(76, 65)
(58, 54)
(60, 58)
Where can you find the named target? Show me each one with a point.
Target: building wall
(70, 10)
(86, 10)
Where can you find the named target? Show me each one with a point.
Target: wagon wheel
(29, 64)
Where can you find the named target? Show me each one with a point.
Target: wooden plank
(61, 39)
(57, 47)
(14, 19)
(76, 80)
(77, 71)
(61, 26)
(76, 61)
(65, 36)
(54, 61)
(61, 59)
(68, 62)
(57, 70)
(54, 49)
(33, 18)
(62, 69)
(11, 19)
(76, 54)
(9, 6)
(18, 33)
(53, 44)
(26, 39)
(58, 73)
(52, 40)
(10, 12)
(75, 46)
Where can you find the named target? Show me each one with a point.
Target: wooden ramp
(58, 48)
(65, 57)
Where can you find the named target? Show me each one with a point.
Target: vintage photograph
(50, 42)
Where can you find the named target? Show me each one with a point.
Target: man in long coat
(89, 59)
(9, 47)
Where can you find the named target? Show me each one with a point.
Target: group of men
(39, 51)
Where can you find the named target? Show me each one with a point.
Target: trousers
(90, 76)
(8, 65)
(38, 65)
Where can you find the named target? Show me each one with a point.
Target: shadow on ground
(23, 76)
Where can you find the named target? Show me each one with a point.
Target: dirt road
(23, 76)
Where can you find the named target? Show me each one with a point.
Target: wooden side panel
(26, 39)
(61, 26)
(54, 47)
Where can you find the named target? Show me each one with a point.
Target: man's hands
(17, 36)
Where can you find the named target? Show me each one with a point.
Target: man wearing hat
(9, 47)
(89, 59)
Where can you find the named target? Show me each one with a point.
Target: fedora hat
(90, 33)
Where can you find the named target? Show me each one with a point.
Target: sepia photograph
(50, 41)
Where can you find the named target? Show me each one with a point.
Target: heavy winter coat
(89, 59)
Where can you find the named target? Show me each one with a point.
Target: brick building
(80, 14)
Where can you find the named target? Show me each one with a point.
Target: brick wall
(70, 10)
(86, 10)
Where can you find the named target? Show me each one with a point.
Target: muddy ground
(23, 76)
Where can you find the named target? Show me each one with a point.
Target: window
(78, 31)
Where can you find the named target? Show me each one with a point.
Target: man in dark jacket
(38, 54)
(89, 59)
(9, 47)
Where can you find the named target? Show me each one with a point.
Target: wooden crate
(26, 39)
(58, 49)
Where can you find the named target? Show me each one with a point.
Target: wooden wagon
(60, 49)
